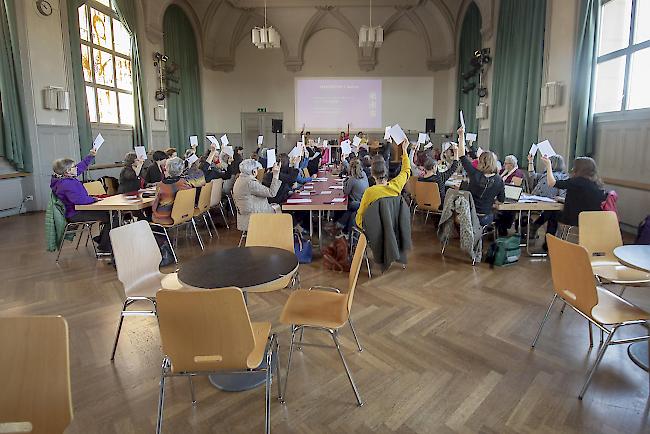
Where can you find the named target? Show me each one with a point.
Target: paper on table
(224, 140)
(295, 152)
(214, 141)
(140, 152)
(533, 150)
(470, 137)
(194, 141)
(270, 158)
(192, 159)
(387, 133)
(479, 151)
(308, 187)
(538, 198)
(355, 141)
(546, 149)
(338, 200)
(397, 134)
(228, 150)
(336, 187)
(346, 149)
(325, 192)
(304, 193)
(462, 120)
(298, 200)
(99, 141)
(423, 137)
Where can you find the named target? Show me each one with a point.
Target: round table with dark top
(638, 257)
(252, 269)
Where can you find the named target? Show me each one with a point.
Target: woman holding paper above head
(130, 179)
(166, 190)
(251, 196)
(431, 173)
(541, 188)
(192, 174)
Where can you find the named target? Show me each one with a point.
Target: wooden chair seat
(620, 274)
(316, 308)
(612, 309)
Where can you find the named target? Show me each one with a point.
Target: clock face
(44, 7)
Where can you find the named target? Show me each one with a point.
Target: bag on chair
(303, 249)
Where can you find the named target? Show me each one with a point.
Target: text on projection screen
(330, 104)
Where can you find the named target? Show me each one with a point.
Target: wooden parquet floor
(446, 350)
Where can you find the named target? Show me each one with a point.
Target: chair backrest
(305, 172)
(260, 174)
(205, 330)
(94, 188)
(270, 230)
(410, 185)
(183, 207)
(599, 233)
(516, 181)
(217, 191)
(355, 267)
(136, 253)
(427, 194)
(110, 184)
(205, 195)
(573, 278)
(35, 373)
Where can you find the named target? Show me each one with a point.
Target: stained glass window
(106, 64)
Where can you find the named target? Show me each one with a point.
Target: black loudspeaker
(276, 125)
(431, 126)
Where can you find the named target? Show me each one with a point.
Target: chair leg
(548, 311)
(333, 333)
(354, 333)
(213, 225)
(563, 306)
(161, 398)
(171, 246)
(601, 353)
(189, 377)
(426, 217)
(223, 214)
(622, 291)
(277, 368)
(286, 380)
(365, 254)
(207, 226)
(302, 333)
(241, 239)
(267, 393)
(591, 335)
(444, 246)
(196, 231)
(119, 329)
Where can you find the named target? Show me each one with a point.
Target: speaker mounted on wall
(276, 125)
(430, 125)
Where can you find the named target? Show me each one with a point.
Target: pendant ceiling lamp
(265, 37)
(370, 36)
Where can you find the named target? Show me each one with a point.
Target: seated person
(367, 164)
(192, 173)
(166, 190)
(207, 166)
(250, 195)
(155, 172)
(71, 192)
(484, 183)
(130, 179)
(511, 170)
(354, 186)
(171, 152)
(383, 187)
(541, 188)
(295, 162)
(288, 176)
(431, 174)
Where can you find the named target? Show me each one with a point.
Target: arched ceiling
(220, 25)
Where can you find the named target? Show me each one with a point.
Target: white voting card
(194, 141)
(546, 149)
(346, 149)
(99, 141)
(470, 137)
(462, 120)
(224, 140)
(140, 152)
(214, 141)
(192, 159)
(387, 133)
(397, 134)
(260, 140)
(270, 158)
(423, 138)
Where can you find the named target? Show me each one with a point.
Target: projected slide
(330, 104)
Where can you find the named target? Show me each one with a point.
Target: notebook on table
(513, 193)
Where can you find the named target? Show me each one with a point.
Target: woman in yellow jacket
(383, 187)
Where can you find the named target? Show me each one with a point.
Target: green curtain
(83, 119)
(126, 10)
(517, 80)
(582, 116)
(14, 144)
(470, 41)
(185, 110)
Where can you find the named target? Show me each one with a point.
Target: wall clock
(44, 7)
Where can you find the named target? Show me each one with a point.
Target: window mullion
(628, 58)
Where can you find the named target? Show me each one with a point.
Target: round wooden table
(636, 256)
(252, 269)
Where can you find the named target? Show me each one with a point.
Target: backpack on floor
(643, 234)
(504, 251)
(336, 255)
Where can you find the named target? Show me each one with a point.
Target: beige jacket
(252, 197)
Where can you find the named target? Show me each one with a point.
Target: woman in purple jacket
(71, 192)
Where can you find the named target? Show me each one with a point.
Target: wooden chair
(574, 283)
(94, 188)
(35, 375)
(600, 234)
(324, 308)
(270, 230)
(260, 174)
(111, 184)
(182, 214)
(137, 259)
(516, 181)
(427, 198)
(202, 209)
(208, 331)
(215, 201)
(410, 189)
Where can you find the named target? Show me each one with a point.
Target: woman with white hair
(166, 190)
(250, 195)
(511, 170)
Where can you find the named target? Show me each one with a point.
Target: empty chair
(327, 309)
(215, 201)
(209, 331)
(95, 188)
(427, 198)
(574, 283)
(35, 375)
(137, 259)
(600, 234)
(182, 213)
(203, 206)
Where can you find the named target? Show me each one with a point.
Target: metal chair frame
(77, 228)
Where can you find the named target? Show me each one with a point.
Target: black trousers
(100, 216)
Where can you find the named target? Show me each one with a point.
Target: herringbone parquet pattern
(446, 350)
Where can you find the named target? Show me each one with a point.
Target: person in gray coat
(250, 195)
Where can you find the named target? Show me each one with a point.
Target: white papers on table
(470, 137)
(387, 133)
(356, 141)
(336, 187)
(546, 149)
(397, 134)
(140, 152)
(423, 138)
(338, 200)
(260, 140)
(99, 141)
(346, 149)
(214, 141)
(308, 187)
(462, 120)
(194, 141)
(479, 151)
(298, 200)
(228, 149)
(270, 158)
(320, 179)
(192, 159)
(295, 152)
(325, 192)
(304, 193)
(224, 140)
(533, 150)
(537, 198)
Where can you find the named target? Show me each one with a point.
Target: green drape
(516, 89)
(470, 41)
(582, 115)
(126, 10)
(185, 110)
(14, 144)
(84, 128)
